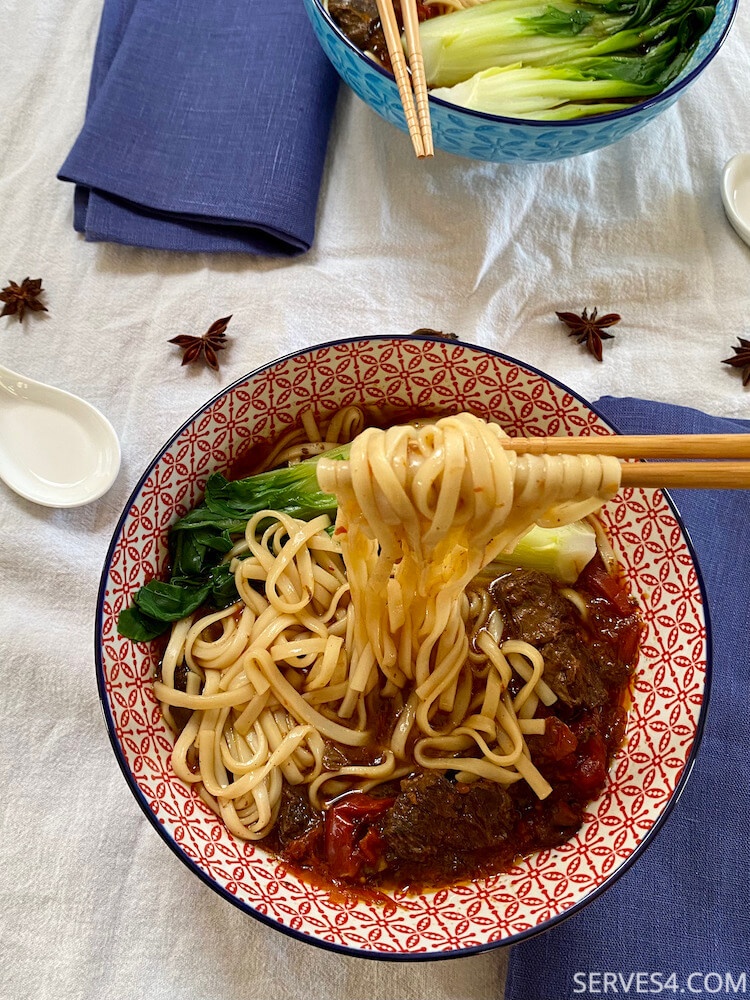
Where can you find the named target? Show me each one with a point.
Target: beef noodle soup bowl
(378, 721)
(490, 128)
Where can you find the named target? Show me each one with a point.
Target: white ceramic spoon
(735, 193)
(55, 448)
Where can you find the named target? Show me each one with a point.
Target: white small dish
(56, 449)
(735, 194)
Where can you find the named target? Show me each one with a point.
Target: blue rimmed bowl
(480, 136)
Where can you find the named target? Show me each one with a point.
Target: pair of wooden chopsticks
(415, 103)
(725, 474)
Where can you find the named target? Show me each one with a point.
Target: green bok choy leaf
(539, 60)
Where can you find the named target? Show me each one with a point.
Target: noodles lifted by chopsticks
(421, 512)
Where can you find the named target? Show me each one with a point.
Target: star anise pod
(741, 359)
(590, 330)
(205, 347)
(19, 298)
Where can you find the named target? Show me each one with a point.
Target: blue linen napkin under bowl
(678, 921)
(206, 127)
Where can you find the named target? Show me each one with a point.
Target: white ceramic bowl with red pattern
(669, 694)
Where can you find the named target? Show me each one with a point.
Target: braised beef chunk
(433, 815)
(532, 609)
(612, 670)
(554, 821)
(572, 673)
(297, 820)
(359, 20)
(535, 612)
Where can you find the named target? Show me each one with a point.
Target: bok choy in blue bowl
(519, 80)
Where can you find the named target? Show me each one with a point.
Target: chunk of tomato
(597, 580)
(591, 771)
(350, 838)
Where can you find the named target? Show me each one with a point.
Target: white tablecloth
(92, 903)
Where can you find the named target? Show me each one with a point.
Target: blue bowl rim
(271, 921)
(484, 117)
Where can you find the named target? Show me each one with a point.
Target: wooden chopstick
(637, 445)
(687, 475)
(727, 474)
(417, 114)
(416, 64)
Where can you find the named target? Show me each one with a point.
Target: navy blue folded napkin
(206, 127)
(678, 921)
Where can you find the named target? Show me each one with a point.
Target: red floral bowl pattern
(668, 699)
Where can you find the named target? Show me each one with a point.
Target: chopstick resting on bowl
(415, 103)
(723, 474)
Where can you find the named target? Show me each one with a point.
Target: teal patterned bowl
(480, 136)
